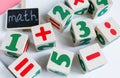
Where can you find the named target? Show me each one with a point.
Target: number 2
(83, 28)
(100, 2)
(61, 59)
(63, 14)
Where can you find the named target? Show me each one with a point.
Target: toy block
(22, 18)
(6, 4)
(79, 7)
(15, 43)
(25, 67)
(60, 16)
(43, 36)
(99, 7)
(5, 73)
(82, 32)
(91, 58)
(60, 62)
(107, 32)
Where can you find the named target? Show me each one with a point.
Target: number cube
(15, 43)
(82, 32)
(79, 7)
(60, 16)
(99, 7)
(91, 58)
(60, 61)
(107, 32)
(43, 36)
(4, 72)
(25, 67)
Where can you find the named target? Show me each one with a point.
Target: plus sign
(43, 33)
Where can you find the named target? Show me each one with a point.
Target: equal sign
(54, 23)
(27, 69)
(93, 56)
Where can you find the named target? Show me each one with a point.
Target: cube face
(22, 18)
(43, 36)
(99, 7)
(90, 58)
(15, 43)
(82, 32)
(5, 72)
(107, 31)
(60, 16)
(25, 67)
(60, 61)
(79, 6)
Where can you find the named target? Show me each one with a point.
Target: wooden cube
(43, 36)
(60, 61)
(99, 7)
(15, 43)
(22, 18)
(60, 16)
(82, 32)
(25, 67)
(5, 73)
(107, 32)
(79, 7)
(91, 58)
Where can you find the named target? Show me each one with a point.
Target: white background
(64, 41)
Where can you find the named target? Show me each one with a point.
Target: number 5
(61, 59)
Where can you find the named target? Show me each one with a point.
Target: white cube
(107, 32)
(43, 36)
(15, 43)
(82, 32)
(79, 7)
(91, 58)
(60, 16)
(60, 61)
(99, 7)
(25, 67)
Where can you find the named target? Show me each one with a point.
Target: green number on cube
(61, 59)
(103, 11)
(62, 13)
(100, 2)
(81, 11)
(91, 8)
(83, 27)
(12, 46)
(100, 38)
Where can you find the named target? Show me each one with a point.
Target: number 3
(84, 28)
(61, 12)
(61, 59)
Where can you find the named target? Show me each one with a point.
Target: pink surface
(6, 4)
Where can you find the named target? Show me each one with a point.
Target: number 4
(59, 60)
